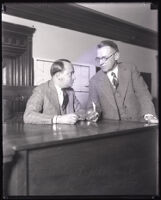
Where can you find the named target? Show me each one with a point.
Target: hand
(67, 119)
(81, 115)
(151, 119)
(92, 115)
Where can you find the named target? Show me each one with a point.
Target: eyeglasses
(104, 59)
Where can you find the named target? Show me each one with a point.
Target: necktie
(115, 80)
(65, 100)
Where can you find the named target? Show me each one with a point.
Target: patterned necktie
(65, 99)
(115, 80)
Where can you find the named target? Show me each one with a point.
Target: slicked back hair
(58, 66)
(108, 43)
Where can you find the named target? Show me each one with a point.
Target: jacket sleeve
(33, 113)
(78, 108)
(142, 93)
(93, 97)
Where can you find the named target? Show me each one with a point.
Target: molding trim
(75, 17)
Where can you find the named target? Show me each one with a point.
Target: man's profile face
(105, 52)
(67, 75)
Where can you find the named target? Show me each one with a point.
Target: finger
(94, 116)
(154, 121)
(91, 117)
(75, 117)
(95, 120)
(71, 121)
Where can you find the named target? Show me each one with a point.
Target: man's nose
(101, 62)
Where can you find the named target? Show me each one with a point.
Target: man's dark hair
(108, 43)
(58, 66)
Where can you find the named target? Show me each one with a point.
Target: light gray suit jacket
(134, 99)
(44, 104)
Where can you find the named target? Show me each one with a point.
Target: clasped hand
(92, 115)
(71, 118)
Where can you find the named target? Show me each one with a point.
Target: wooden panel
(18, 29)
(108, 157)
(14, 100)
(19, 70)
(76, 17)
(17, 54)
(125, 165)
(18, 179)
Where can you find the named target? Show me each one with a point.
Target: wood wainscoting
(14, 100)
(17, 68)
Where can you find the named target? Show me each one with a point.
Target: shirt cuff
(147, 116)
(54, 120)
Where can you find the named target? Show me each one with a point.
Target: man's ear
(58, 75)
(117, 55)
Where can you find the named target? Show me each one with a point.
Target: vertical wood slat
(20, 70)
(27, 64)
(25, 69)
(18, 60)
(12, 60)
(9, 72)
(14, 72)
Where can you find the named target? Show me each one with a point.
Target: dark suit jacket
(134, 99)
(44, 104)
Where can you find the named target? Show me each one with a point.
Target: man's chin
(104, 70)
(70, 85)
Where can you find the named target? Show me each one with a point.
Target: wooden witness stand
(105, 158)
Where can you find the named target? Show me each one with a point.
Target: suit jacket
(132, 96)
(44, 104)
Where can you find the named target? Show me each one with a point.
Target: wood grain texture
(105, 158)
(109, 166)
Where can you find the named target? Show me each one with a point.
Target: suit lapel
(107, 89)
(53, 96)
(123, 77)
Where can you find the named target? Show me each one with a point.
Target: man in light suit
(118, 91)
(54, 101)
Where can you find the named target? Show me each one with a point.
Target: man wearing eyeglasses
(118, 91)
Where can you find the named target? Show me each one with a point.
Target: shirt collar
(115, 70)
(59, 90)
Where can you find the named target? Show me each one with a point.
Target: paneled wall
(14, 100)
(17, 67)
(17, 55)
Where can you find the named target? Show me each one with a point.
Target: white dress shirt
(60, 94)
(60, 98)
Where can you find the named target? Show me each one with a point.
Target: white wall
(51, 42)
